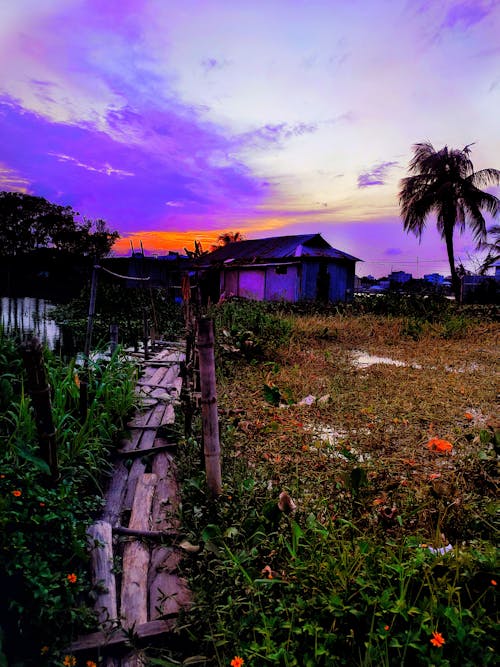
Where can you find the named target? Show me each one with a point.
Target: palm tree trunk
(455, 280)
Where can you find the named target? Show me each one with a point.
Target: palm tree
(493, 249)
(230, 237)
(444, 182)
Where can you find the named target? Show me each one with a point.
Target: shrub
(46, 592)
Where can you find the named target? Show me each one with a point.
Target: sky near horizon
(180, 119)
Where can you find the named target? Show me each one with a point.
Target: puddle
(364, 360)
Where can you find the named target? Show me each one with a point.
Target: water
(25, 316)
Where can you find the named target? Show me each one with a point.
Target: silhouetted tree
(28, 223)
(445, 182)
(230, 237)
(197, 252)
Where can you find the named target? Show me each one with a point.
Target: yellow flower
(237, 661)
(69, 661)
(437, 639)
(72, 578)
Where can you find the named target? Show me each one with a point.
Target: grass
(391, 541)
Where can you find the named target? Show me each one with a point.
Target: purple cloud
(391, 252)
(467, 13)
(274, 134)
(375, 176)
(167, 164)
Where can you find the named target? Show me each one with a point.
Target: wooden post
(145, 332)
(39, 391)
(84, 380)
(209, 413)
(113, 336)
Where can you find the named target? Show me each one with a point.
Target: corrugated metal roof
(274, 248)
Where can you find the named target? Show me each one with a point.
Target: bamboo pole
(39, 390)
(113, 335)
(209, 412)
(84, 380)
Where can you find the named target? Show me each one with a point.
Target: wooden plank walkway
(134, 545)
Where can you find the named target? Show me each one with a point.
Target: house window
(281, 270)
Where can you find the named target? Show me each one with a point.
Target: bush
(46, 591)
(254, 329)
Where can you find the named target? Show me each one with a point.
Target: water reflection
(24, 316)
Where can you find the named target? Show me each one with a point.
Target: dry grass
(379, 420)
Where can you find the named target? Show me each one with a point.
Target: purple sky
(178, 120)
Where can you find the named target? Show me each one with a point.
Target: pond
(24, 316)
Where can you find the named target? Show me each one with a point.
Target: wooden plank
(115, 494)
(159, 445)
(135, 659)
(134, 592)
(166, 497)
(136, 471)
(151, 417)
(158, 375)
(147, 534)
(104, 639)
(169, 594)
(103, 577)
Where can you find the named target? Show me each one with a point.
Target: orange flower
(42, 504)
(77, 381)
(16, 493)
(469, 416)
(237, 661)
(269, 572)
(434, 475)
(71, 578)
(493, 582)
(437, 639)
(69, 661)
(386, 628)
(439, 445)
(90, 663)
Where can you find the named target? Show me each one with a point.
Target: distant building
(400, 277)
(434, 278)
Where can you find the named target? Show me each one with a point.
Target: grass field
(386, 553)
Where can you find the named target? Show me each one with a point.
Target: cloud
(106, 169)
(466, 14)
(391, 252)
(212, 64)
(275, 134)
(375, 176)
(127, 174)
